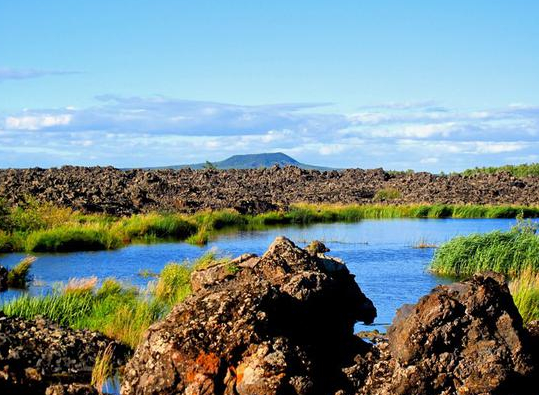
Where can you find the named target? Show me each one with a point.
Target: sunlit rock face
(281, 323)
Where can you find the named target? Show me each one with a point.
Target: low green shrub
(387, 194)
(32, 215)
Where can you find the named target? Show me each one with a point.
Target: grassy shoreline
(46, 228)
(119, 311)
(514, 254)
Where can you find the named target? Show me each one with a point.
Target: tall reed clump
(525, 292)
(103, 368)
(509, 253)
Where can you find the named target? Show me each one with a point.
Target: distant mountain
(251, 161)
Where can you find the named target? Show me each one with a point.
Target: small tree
(209, 165)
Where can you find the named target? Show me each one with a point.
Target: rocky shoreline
(114, 191)
(283, 324)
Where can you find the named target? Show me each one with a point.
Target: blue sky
(425, 85)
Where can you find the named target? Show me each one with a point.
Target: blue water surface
(380, 253)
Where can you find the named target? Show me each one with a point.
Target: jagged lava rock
(35, 354)
(463, 338)
(281, 323)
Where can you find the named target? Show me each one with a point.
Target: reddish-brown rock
(463, 338)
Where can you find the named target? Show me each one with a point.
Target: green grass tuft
(509, 253)
(155, 226)
(19, 275)
(525, 292)
(174, 284)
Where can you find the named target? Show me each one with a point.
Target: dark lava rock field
(119, 192)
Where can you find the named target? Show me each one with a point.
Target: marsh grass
(173, 284)
(75, 238)
(509, 253)
(424, 243)
(155, 226)
(120, 312)
(80, 285)
(525, 292)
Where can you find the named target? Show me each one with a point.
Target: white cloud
(331, 149)
(158, 131)
(497, 147)
(37, 122)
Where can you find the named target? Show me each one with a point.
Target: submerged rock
(35, 354)
(277, 324)
(463, 338)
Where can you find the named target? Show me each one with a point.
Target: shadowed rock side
(463, 338)
(277, 324)
(97, 189)
(35, 354)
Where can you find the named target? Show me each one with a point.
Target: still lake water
(379, 252)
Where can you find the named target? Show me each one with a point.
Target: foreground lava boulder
(277, 324)
(463, 338)
(36, 354)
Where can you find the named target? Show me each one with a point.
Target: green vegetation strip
(524, 170)
(38, 227)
